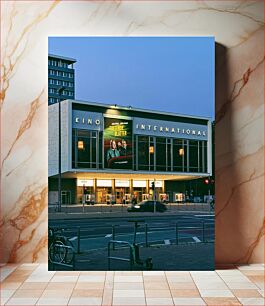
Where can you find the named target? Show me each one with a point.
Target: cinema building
(112, 153)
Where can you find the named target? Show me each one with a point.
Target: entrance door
(66, 197)
(101, 196)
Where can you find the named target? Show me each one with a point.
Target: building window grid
(152, 163)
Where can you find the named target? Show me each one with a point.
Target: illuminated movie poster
(117, 143)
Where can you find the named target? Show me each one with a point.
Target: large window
(178, 155)
(193, 156)
(85, 149)
(161, 154)
(143, 152)
(150, 153)
(168, 154)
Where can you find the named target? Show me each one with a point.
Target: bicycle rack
(134, 253)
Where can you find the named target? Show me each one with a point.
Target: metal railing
(203, 232)
(134, 255)
(131, 252)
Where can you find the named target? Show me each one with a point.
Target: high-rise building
(61, 73)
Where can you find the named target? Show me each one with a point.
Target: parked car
(147, 206)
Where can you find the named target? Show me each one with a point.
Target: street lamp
(60, 91)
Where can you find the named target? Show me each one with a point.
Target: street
(160, 229)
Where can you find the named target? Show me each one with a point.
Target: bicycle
(60, 248)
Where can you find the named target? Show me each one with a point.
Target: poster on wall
(117, 143)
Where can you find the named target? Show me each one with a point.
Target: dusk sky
(172, 74)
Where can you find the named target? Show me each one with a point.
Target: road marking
(167, 241)
(109, 235)
(196, 239)
(73, 238)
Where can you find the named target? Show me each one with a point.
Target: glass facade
(150, 153)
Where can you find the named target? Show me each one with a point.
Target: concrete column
(147, 187)
(163, 186)
(113, 188)
(95, 189)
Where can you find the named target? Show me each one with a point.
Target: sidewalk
(195, 256)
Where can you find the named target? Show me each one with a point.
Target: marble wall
(238, 28)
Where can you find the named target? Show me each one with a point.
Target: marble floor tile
(128, 273)
(252, 301)
(182, 293)
(153, 273)
(39, 278)
(224, 287)
(56, 293)
(129, 286)
(241, 293)
(211, 285)
(251, 267)
(128, 279)
(154, 278)
(235, 279)
(3, 300)
(260, 285)
(60, 286)
(95, 272)
(256, 278)
(34, 286)
(203, 273)
(10, 286)
(16, 278)
(91, 278)
(157, 293)
(6, 293)
(28, 293)
(43, 270)
(156, 286)
(64, 278)
(53, 301)
(124, 301)
(241, 285)
(188, 301)
(179, 278)
(261, 292)
(107, 297)
(232, 272)
(215, 277)
(108, 285)
(215, 301)
(177, 273)
(85, 301)
(216, 293)
(173, 286)
(6, 270)
(28, 266)
(87, 293)
(68, 273)
(253, 272)
(159, 301)
(128, 293)
(88, 285)
(22, 301)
